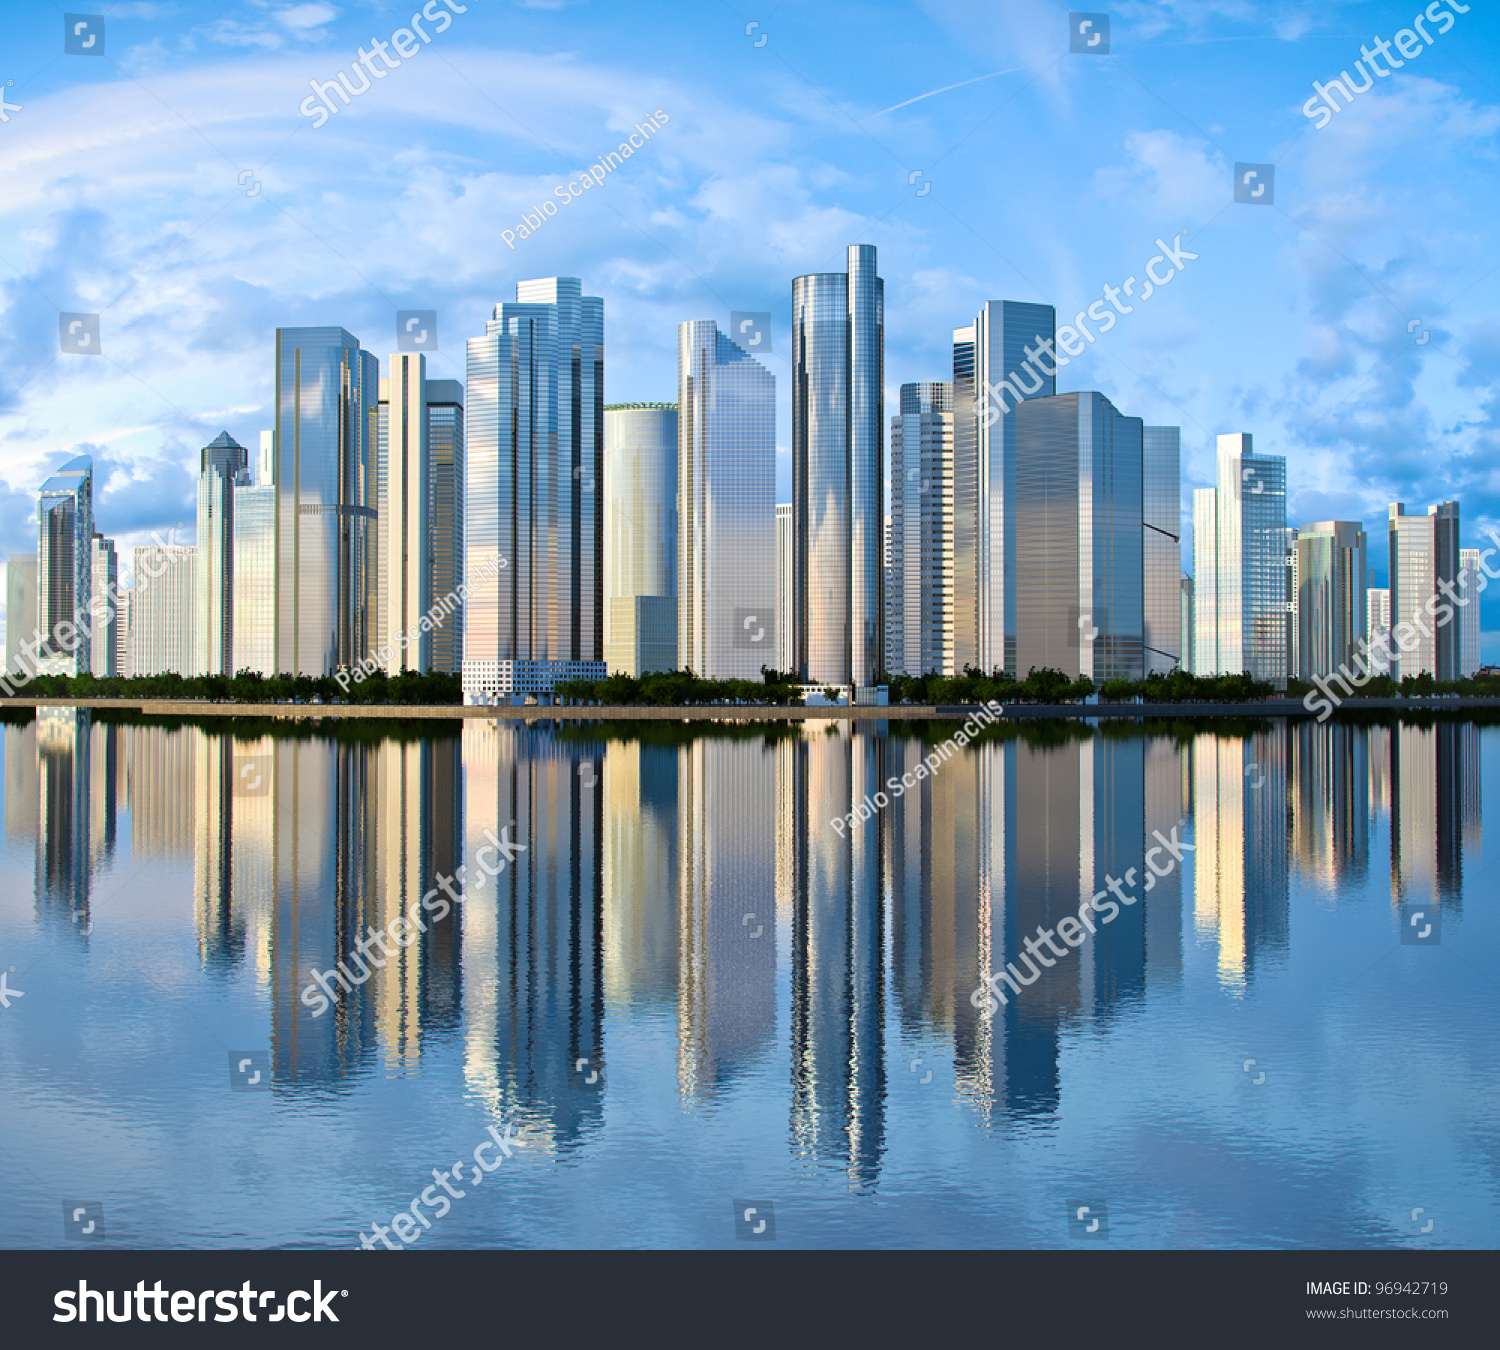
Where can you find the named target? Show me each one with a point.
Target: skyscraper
(223, 464)
(534, 466)
(104, 618)
(1076, 469)
(1424, 562)
(1000, 359)
(838, 461)
(65, 569)
(326, 394)
(1378, 615)
(20, 611)
(726, 494)
(445, 513)
(1468, 656)
(404, 571)
(1332, 608)
(1161, 519)
(1239, 566)
(163, 609)
(786, 588)
(640, 537)
(1186, 611)
(921, 606)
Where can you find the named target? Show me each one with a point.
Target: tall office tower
(445, 514)
(726, 497)
(1186, 611)
(838, 462)
(1161, 547)
(1239, 566)
(253, 600)
(122, 635)
(20, 613)
(893, 640)
(403, 571)
(786, 587)
(65, 568)
(104, 618)
(1077, 536)
(326, 394)
(1378, 617)
(1468, 634)
(1332, 609)
(1289, 605)
(223, 464)
(1000, 359)
(921, 639)
(534, 466)
(640, 537)
(1424, 570)
(163, 609)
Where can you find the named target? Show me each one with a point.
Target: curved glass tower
(838, 488)
(640, 537)
(65, 569)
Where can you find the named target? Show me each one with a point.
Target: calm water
(690, 991)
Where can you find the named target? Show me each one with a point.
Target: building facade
(1078, 538)
(65, 569)
(921, 549)
(726, 496)
(163, 609)
(640, 537)
(1332, 606)
(403, 492)
(533, 506)
(1161, 547)
(786, 588)
(20, 612)
(1468, 643)
(445, 521)
(1239, 566)
(223, 466)
(327, 389)
(1004, 357)
(104, 615)
(838, 470)
(1424, 563)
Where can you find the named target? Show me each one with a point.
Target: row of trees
(679, 688)
(1048, 685)
(249, 687)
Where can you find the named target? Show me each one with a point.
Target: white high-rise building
(163, 609)
(920, 636)
(1377, 615)
(1468, 636)
(726, 494)
(785, 587)
(20, 611)
(1424, 566)
(105, 627)
(640, 537)
(404, 577)
(1240, 567)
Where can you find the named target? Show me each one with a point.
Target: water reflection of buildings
(1331, 775)
(1434, 776)
(838, 1001)
(1241, 896)
(533, 959)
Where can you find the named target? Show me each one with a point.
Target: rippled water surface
(691, 994)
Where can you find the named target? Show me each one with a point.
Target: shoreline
(192, 708)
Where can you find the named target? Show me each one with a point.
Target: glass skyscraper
(445, 518)
(838, 461)
(104, 618)
(404, 571)
(1161, 540)
(1424, 559)
(1077, 537)
(223, 465)
(921, 608)
(253, 599)
(640, 537)
(65, 569)
(1332, 608)
(1468, 656)
(1005, 356)
(786, 586)
(726, 495)
(327, 389)
(534, 472)
(1239, 566)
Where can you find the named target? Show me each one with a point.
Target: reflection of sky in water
(769, 1011)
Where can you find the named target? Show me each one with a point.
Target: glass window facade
(65, 568)
(1332, 607)
(921, 549)
(1424, 552)
(838, 466)
(223, 462)
(726, 495)
(254, 595)
(640, 534)
(1161, 547)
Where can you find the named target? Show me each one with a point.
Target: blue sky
(130, 190)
